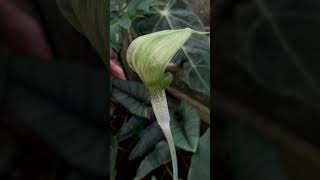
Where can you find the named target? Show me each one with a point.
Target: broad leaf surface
(186, 133)
(148, 139)
(132, 95)
(159, 156)
(132, 127)
(200, 163)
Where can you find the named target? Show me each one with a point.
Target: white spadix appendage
(160, 107)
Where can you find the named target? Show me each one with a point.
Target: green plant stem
(160, 107)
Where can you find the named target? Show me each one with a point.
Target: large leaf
(186, 133)
(281, 48)
(148, 139)
(200, 163)
(159, 156)
(91, 19)
(132, 95)
(251, 156)
(197, 51)
(132, 127)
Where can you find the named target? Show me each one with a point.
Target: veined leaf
(132, 95)
(159, 156)
(177, 15)
(89, 17)
(186, 133)
(148, 139)
(133, 126)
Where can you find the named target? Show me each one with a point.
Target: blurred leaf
(186, 133)
(251, 157)
(200, 163)
(133, 126)
(153, 178)
(136, 6)
(91, 19)
(124, 21)
(280, 48)
(61, 103)
(115, 36)
(113, 157)
(197, 50)
(159, 156)
(148, 139)
(132, 95)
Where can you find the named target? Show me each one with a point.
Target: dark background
(53, 96)
(266, 90)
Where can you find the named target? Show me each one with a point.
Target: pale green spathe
(150, 54)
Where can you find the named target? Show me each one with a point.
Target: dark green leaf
(148, 139)
(133, 126)
(136, 6)
(132, 95)
(196, 50)
(115, 36)
(186, 133)
(200, 163)
(159, 156)
(124, 21)
(91, 19)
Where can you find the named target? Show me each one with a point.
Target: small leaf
(186, 134)
(153, 178)
(159, 156)
(131, 95)
(148, 139)
(133, 126)
(200, 163)
(89, 17)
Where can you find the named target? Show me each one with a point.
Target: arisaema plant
(148, 56)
